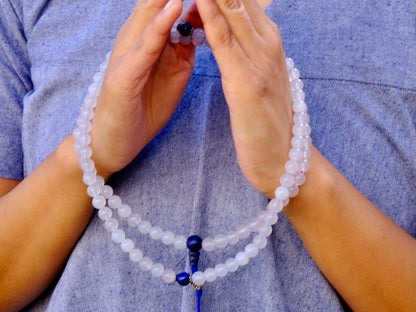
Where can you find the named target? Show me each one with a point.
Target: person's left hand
(248, 49)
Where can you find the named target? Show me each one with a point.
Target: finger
(142, 15)
(139, 59)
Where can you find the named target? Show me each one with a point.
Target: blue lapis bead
(185, 29)
(183, 278)
(194, 243)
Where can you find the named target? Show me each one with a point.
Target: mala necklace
(110, 205)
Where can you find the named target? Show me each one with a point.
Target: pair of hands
(147, 76)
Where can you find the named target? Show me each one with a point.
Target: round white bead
(135, 255)
(111, 225)
(208, 244)
(106, 191)
(124, 211)
(168, 237)
(266, 231)
(145, 264)
(114, 202)
(221, 241)
(281, 193)
(105, 213)
(243, 231)
(299, 107)
(233, 238)
(259, 241)
(251, 250)
(231, 264)
(198, 278)
(157, 270)
(175, 36)
(133, 220)
(287, 180)
(275, 206)
(156, 232)
(221, 270)
(168, 276)
(144, 227)
(292, 167)
(210, 275)
(93, 190)
(127, 245)
(118, 236)
(99, 202)
(179, 242)
(198, 36)
(242, 258)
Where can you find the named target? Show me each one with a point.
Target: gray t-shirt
(358, 62)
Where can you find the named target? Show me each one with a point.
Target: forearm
(368, 258)
(40, 221)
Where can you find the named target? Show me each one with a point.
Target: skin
(373, 267)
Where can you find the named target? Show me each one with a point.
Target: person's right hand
(144, 82)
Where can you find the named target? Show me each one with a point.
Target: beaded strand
(110, 205)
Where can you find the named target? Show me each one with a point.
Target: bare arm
(368, 258)
(40, 221)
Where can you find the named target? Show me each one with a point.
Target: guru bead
(185, 29)
(194, 243)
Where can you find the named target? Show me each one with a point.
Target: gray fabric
(358, 62)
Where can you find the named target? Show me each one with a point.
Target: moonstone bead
(157, 270)
(179, 242)
(111, 225)
(156, 232)
(135, 255)
(259, 241)
(293, 191)
(299, 107)
(300, 179)
(296, 154)
(251, 250)
(106, 191)
(124, 211)
(145, 264)
(233, 238)
(175, 36)
(168, 276)
(281, 193)
(220, 241)
(168, 237)
(275, 206)
(208, 244)
(93, 190)
(89, 178)
(231, 264)
(287, 180)
(144, 227)
(118, 236)
(266, 231)
(292, 167)
(221, 269)
(243, 231)
(99, 202)
(198, 36)
(114, 202)
(242, 258)
(198, 278)
(127, 245)
(105, 213)
(210, 275)
(301, 118)
(133, 220)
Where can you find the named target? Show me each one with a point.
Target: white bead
(301, 129)
(105, 213)
(275, 206)
(93, 190)
(293, 191)
(210, 275)
(300, 179)
(299, 107)
(180, 242)
(307, 153)
(89, 178)
(198, 278)
(296, 154)
(107, 191)
(298, 96)
(296, 84)
(114, 202)
(118, 236)
(157, 270)
(242, 258)
(133, 220)
(85, 152)
(156, 232)
(251, 250)
(289, 63)
(169, 276)
(287, 180)
(259, 241)
(265, 231)
(135, 255)
(220, 241)
(198, 36)
(270, 218)
(281, 193)
(175, 36)
(86, 164)
(127, 245)
(145, 264)
(292, 167)
(144, 227)
(111, 225)
(233, 238)
(221, 270)
(243, 231)
(208, 244)
(256, 223)
(301, 118)
(231, 264)
(185, 40)
(293, 74)
(304, 166)
(124, 211)
(99, 202)
(168, 237)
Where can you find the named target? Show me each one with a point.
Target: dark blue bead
(183, 279)
(185, 29)
(194, 243)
